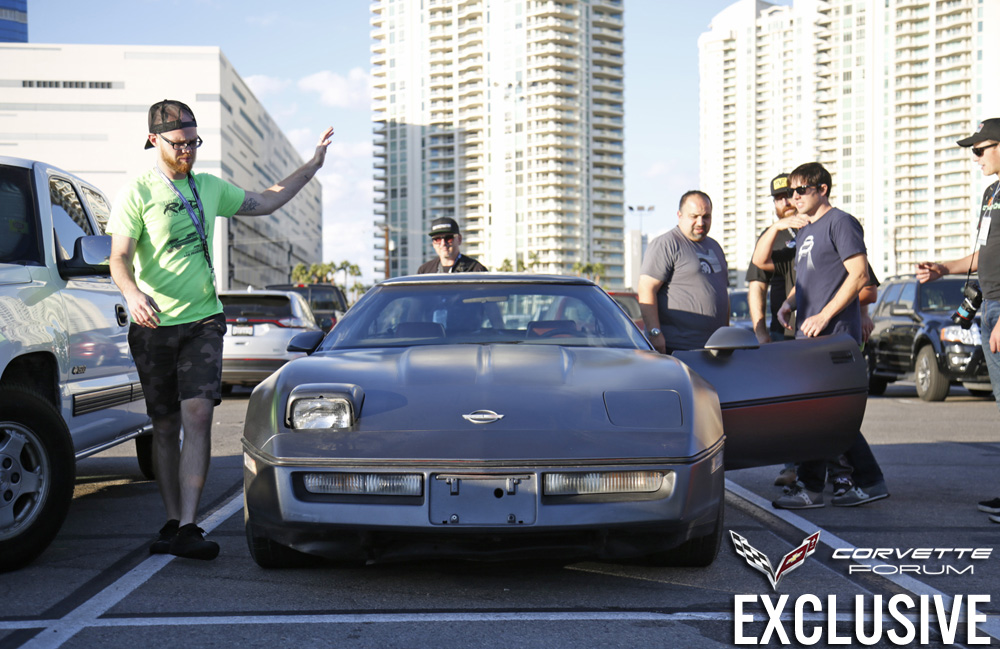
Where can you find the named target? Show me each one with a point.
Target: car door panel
(790, 401)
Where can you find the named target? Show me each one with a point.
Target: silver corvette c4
(504, 415)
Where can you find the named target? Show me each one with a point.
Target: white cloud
(339, 91)
(262, 85)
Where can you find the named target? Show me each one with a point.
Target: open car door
(787, 401)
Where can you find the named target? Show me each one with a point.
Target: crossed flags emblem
(759, 561)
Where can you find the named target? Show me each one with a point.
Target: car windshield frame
(445, 313)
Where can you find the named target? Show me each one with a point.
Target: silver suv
(68, 385)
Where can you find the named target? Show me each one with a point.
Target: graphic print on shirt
(182, 233)
(806, 249)
(708, 262)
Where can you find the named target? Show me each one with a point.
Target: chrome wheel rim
(24, 483)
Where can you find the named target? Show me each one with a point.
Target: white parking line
(88, 613)
(906, 582)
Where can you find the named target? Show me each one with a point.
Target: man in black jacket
(446, 238)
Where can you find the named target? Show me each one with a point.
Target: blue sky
(308, 63)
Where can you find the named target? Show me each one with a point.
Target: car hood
(556, 402)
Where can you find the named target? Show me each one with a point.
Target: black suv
(914, 334)
(327, 301)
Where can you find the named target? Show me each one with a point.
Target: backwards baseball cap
(988, 130)
(168, 115)
(443, 226)
(779, 185)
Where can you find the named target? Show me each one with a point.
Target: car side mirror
(307, 341)
(727, 339)
(91, 256)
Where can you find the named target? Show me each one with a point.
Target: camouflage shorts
(179, 362)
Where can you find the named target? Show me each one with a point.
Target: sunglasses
(187, 144)
(803, 190)
(447, 239)
(978, 151)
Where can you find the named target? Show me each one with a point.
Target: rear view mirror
(727, 339)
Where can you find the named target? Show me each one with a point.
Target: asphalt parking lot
(97, 586)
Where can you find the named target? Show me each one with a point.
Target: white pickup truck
(68, 384)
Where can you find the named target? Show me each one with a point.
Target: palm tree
(506, 266)
(300, 274)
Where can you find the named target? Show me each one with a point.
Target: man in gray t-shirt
(683, 283)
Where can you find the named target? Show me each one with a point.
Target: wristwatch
(655, 331)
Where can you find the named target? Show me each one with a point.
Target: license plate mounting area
(483, 499)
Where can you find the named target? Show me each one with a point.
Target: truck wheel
(37, 475)
(876, 384)
(144, 453)
(931, 384)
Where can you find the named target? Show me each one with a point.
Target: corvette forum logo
(901, 619)
(759, 560)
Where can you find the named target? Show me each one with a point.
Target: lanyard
(199, 224)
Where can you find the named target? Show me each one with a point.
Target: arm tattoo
(249, 205)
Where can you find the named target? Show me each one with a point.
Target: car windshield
(942, 295)
(256, 306)
(739, 309)
(400, 315)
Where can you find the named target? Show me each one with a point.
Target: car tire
(144, 454)
(274, 556)
(37, 474)
(699, 552)
(877, 386)
(982, 394)
(931, 384)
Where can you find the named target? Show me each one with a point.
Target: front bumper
(433, 524)
(964, 363)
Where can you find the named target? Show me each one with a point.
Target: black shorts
(179, 362)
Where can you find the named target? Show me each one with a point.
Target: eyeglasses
(447, 239)
(803, 190)
(782, 196)
(978, 151)
(187, 144)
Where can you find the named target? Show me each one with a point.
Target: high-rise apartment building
(506, 115)
(13, 21)
(877, 91)
(84, 108)
(757, 104)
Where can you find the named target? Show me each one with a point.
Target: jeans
(991, 313)
(867, 472)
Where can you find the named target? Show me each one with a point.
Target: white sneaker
(798, 497)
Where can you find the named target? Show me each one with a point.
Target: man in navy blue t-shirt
(830, 271)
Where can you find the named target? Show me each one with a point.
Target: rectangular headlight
(607, 482)
(365, 484)
(954, 334)
(321, 413)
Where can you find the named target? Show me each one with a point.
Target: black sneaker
(167, 534)
(990, 506)
(190, 544)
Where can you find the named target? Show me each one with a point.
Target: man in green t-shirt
(162, 226)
